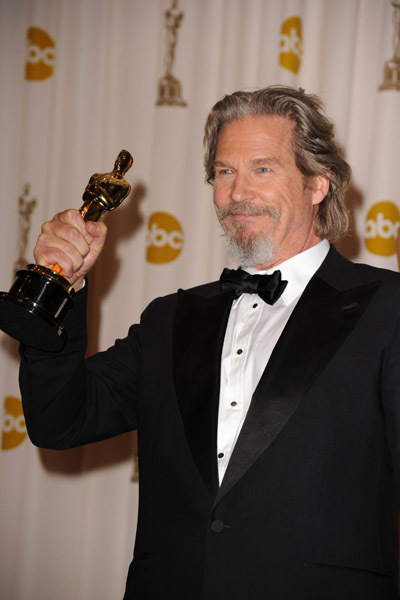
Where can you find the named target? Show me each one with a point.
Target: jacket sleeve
(69, 400)
(390, 395)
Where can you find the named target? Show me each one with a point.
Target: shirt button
(233, 403)
(255, 305)
(239, 351)
(221, 455)
(217, 526)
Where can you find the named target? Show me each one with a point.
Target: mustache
(248, 209)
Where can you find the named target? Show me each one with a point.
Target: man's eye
(224, 171)
(264, 169)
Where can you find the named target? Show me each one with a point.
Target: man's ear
(319, 187)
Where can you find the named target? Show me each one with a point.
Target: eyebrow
(270, 160)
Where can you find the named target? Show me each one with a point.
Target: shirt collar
(297, 270)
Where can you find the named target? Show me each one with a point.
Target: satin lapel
(199, 331)
(318, 326)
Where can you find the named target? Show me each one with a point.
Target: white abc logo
(164, 238)
(291, 43)
(37, 54)
(159, 237)
(382, 227)
(12, 423)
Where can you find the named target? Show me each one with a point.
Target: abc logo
(164, 238)
(381, 226)
(14, 430)
(40, 55)
(291, 44)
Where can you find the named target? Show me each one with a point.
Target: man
(268, 430)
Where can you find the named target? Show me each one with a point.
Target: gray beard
(244, 250)
(259, 250)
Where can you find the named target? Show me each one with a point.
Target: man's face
(259, 193)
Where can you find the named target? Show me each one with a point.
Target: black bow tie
(268, 287)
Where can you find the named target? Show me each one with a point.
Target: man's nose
(242, 188)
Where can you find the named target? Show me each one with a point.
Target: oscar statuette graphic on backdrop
(26, 207)
(391, 72)
(33, 309)
(169, 87)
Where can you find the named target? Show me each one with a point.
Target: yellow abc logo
(40, 55)
(14, 430)
(381, 227)
(164, 238)
(291, 44)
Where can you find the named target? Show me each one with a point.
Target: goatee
(245, 249)
(250, 251)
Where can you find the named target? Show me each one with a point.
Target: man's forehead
(263, 136)
(254, 125)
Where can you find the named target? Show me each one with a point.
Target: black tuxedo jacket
(308, 506)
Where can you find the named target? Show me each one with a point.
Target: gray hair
(314, 147)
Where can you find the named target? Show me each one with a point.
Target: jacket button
(217, 526)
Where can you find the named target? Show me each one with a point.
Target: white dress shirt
(253, 329)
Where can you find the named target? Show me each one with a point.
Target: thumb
(95, 230)
(96, 235)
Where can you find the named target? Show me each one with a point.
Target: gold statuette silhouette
(33, 309)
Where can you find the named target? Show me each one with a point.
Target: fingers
(71, 243)
(62, 241)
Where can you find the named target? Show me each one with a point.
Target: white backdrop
(78, 82)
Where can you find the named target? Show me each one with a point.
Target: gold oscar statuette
(33, 309)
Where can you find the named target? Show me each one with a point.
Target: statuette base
(32, 310)
(170, 92)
